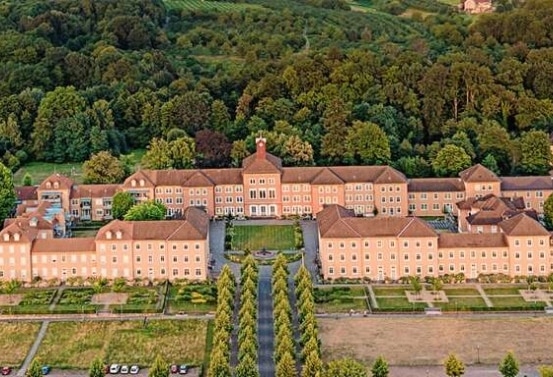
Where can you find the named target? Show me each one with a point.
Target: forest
(430, 94)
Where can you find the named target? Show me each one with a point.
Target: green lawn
(395, 303)
(390, 291)
(499, 291)
(338, 306)
(208, 5)
(461, 292)
(76, 344)
(193, 298)
(462, 303)
(41, 170)
(270, 237)
(514, 302)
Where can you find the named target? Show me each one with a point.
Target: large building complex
(264, 188)
(367, 216)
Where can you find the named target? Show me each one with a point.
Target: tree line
(325, 85)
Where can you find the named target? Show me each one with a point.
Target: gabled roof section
(254, 164)
(145, 175)
(94, 191)
(25, 193)
(435, 185)
(194, 226)
(478, 173)
(198, 179)
(63, 182)
(526, 183)
(336, 221)
(326, 177)
(390, 175)
(417, 228)
(522, 225)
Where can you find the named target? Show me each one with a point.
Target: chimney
(261, 149)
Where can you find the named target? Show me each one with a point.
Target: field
(427, 341)
(15, 341)
(41, 170)
(75, 344)
(207, 5)
(340, 299)
(192, 298)
(270, 237)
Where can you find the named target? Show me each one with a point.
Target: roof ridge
(406, 226)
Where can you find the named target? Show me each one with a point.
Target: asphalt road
(265, 329)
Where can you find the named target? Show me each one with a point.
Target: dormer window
(141, 183)
(118, 234)
(6, 236)
(48, 185)
(16, 236)
(133, 183)
(108, 235)
(56, 185)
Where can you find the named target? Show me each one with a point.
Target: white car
(135, 369)
(114, 368)
(124, 369)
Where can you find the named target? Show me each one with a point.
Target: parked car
(114, 368)
(174, 368)
(135, 369)
(5, 371)
(124, 369)
(183, 369)
(46, 369)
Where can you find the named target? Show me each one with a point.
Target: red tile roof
(64, 245)
(436, 185)
(478, 173)
(526, 183)
(522, 225)
(336, 221)
(476, 240)
(26, 193)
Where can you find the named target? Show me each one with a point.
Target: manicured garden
(28, 300)
(73, 345)
(192, 298)
(269, 237)
(15, 341)
(340, 299)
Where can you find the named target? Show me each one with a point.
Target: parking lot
(192, 372)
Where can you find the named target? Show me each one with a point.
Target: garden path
(487, 300)
(265, 326)
(372, 297)
(34, 348)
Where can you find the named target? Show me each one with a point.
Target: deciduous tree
(35, 369)
(450, 160)
(122, 203)
(149, 210)
(103, 168)
(367, 144)
(535, 153)
(7, 193)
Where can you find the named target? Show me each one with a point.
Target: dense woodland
(324, 84)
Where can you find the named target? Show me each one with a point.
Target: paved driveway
(311, 241)
(265, 328)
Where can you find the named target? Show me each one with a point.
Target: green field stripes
(271, 237)
(207, 5)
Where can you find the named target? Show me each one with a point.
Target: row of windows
(297, 198)
(138, 259)
(359, 187)
(473, 254)
(297, 210)
(436, 196)
(228, 189)
(359, 198)
(441, 269)
(262, 194)
(150, 246)
(228, 199)
(379, 243)
(262, 181)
